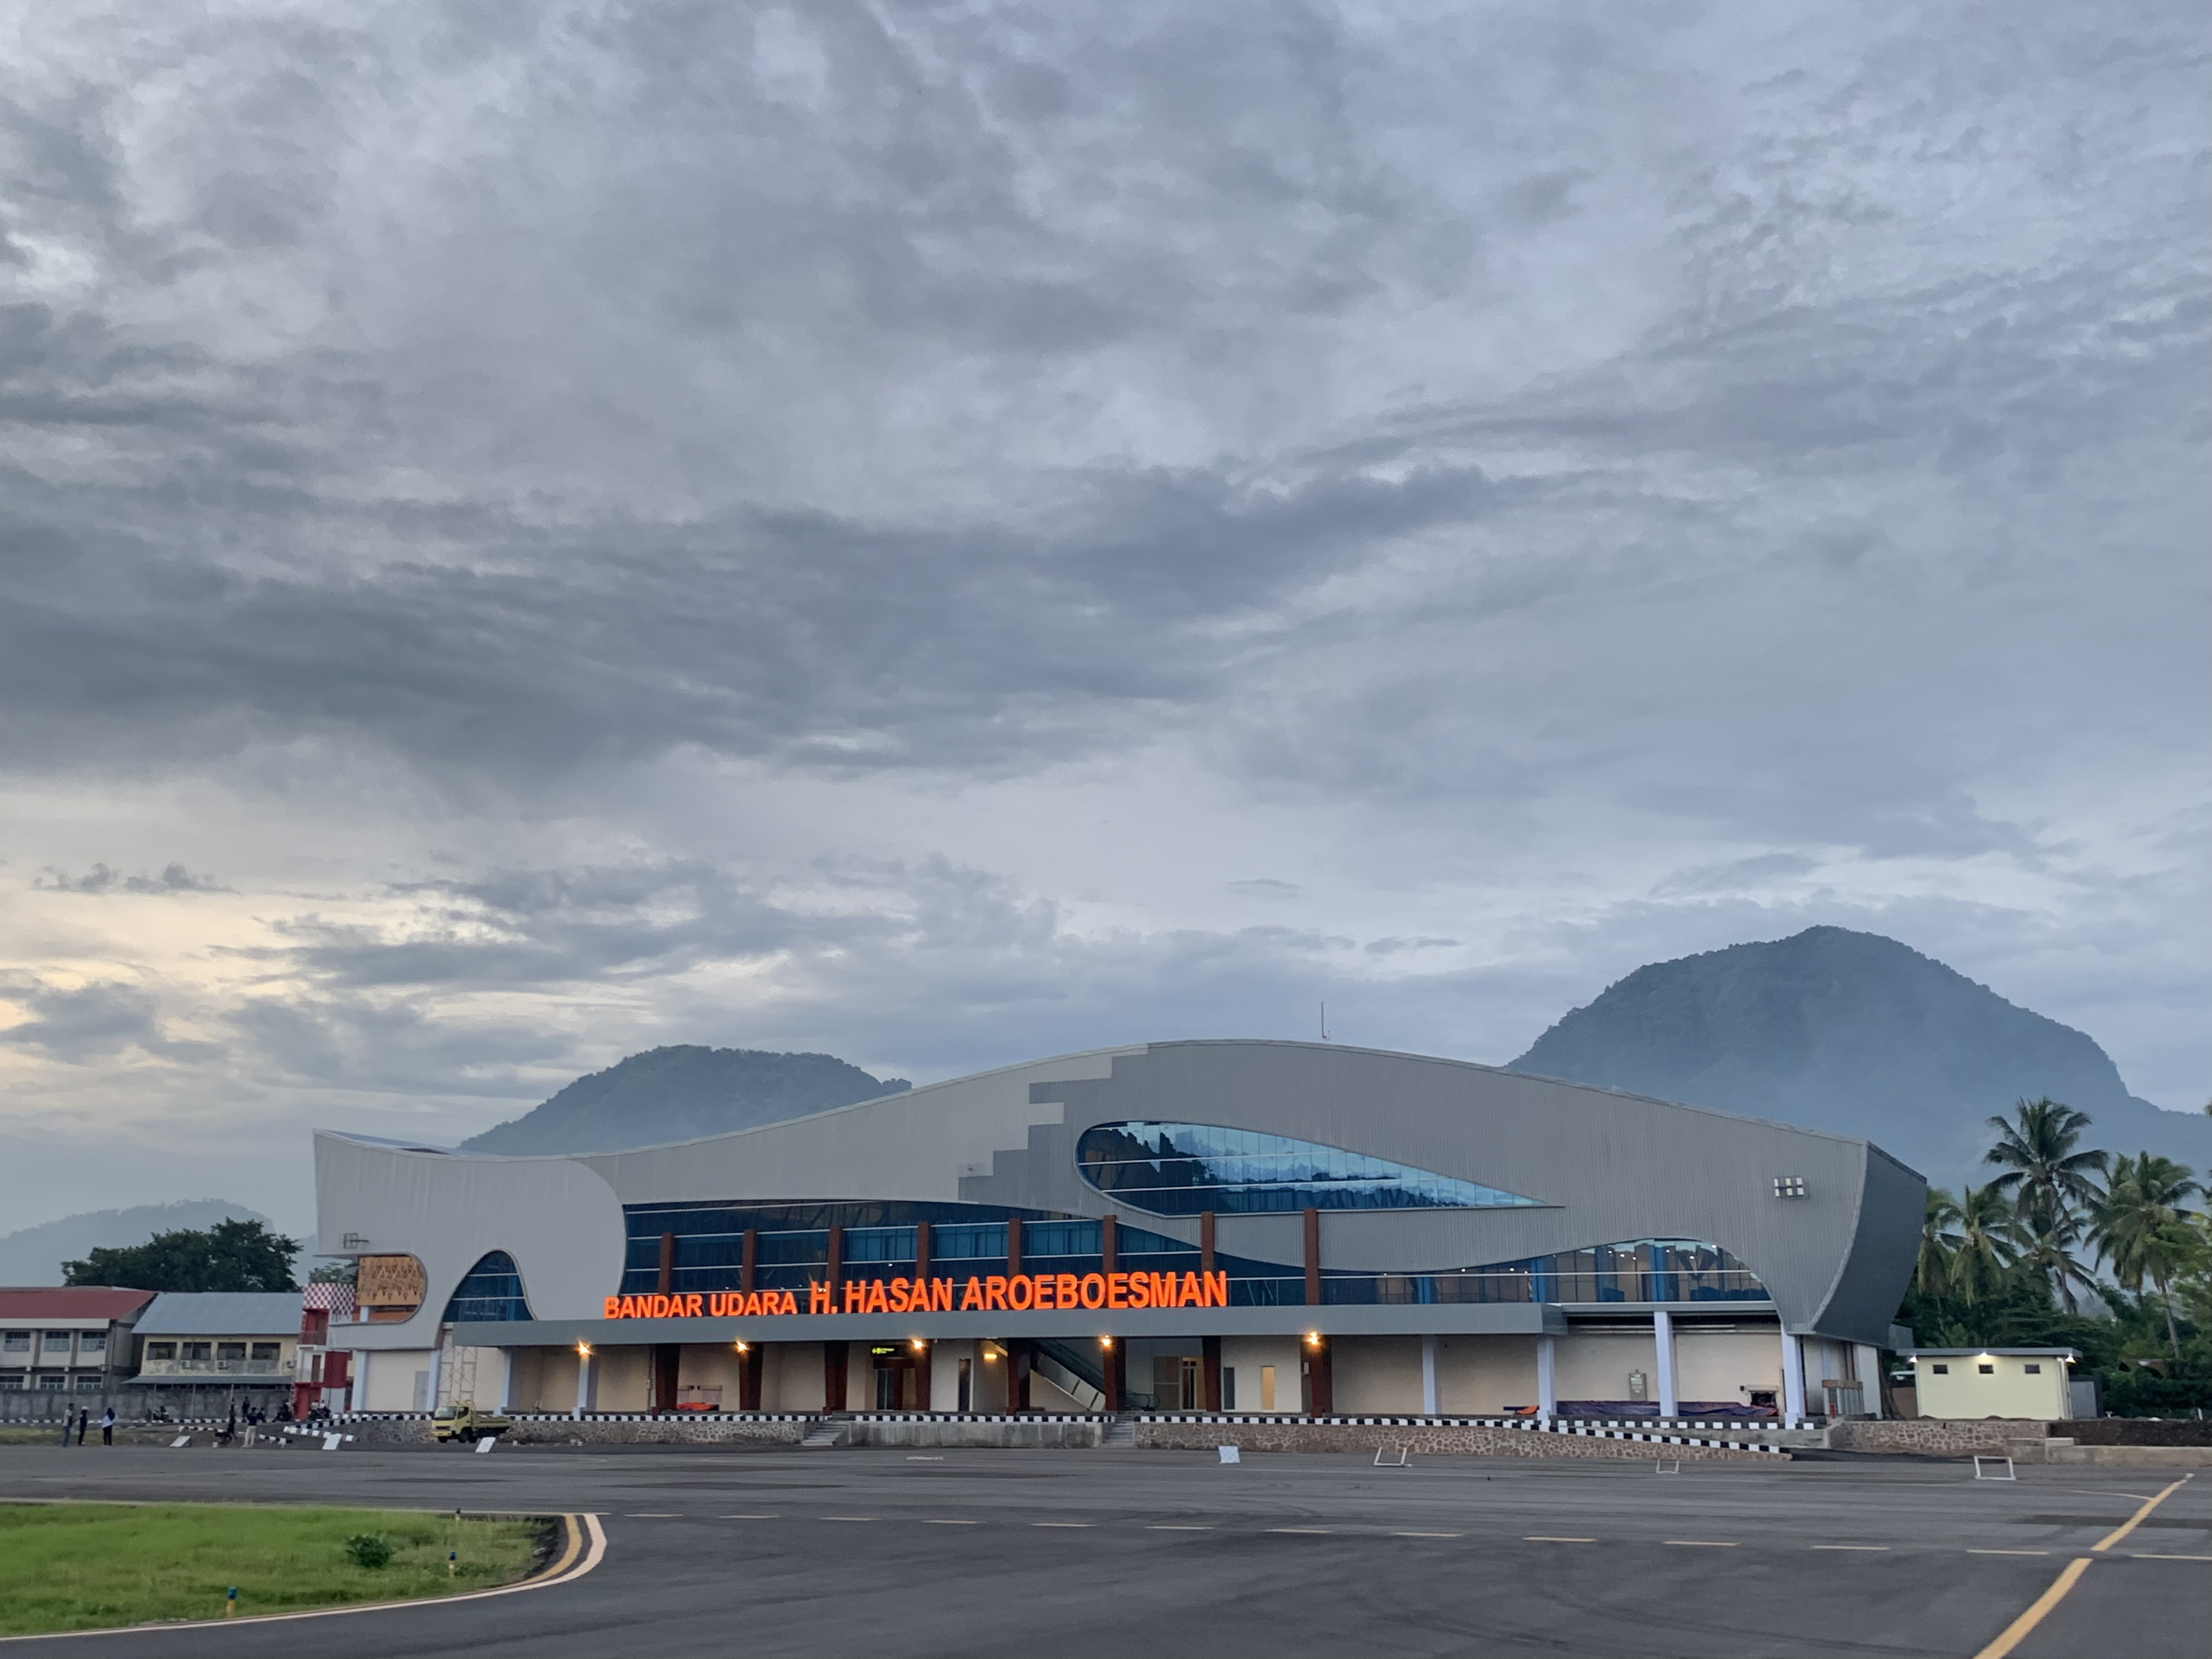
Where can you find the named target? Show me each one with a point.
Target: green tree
(2140, 1224)
(1985, 1256)
(1939, 1244)
(2043, 1171)
(231, 1255)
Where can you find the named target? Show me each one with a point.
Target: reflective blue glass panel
(1182, 1169)
(490, 1289)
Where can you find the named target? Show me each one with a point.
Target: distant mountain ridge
(680, 1093)
(34, 1254)
(1857, 1035)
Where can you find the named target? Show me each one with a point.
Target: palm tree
(2042, 1170)
(2140, 1224)
(1985, 1254)
(1931, 1274)
(2046, 1253)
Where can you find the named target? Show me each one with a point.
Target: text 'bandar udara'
(1017, 1293)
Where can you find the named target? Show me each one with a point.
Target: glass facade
(880, 1243)
(1182, 1169)
(491, 1289)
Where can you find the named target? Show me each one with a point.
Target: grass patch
(80, 1566)
(32, 1434)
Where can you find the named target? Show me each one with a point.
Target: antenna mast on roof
(1324, 1025)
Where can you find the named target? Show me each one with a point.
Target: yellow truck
(465, 1422)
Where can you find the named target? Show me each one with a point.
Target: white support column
(1866, 1367)
(357, 1389)
(586, 1385)
(437, 1368)
(1429, 1406)
(1663, 1332)
(1793, 1379)
(1548, 1392)
(507, 1370)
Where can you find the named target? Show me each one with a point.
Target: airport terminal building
(1219, 1226)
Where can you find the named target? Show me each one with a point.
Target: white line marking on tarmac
(948, 1523)
(1304, 1531)
(1063, 1523)
(749, 1517)
(1701, 1543)
(1539, 1538)
(1850, 1547)
(1163, 1528)
(2008, 1552)
(2145, 1555)
(845, 1517)
(1426, 1534)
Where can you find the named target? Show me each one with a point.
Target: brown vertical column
(665, 1356)
(1205, 1241)
(837, 1362)
(836, 1270)
(667, 1263)
(749, 1376)
(1312, 1258)
(1320, 1378)
(921, 1249)
(925, 1360)
(1115, 1366)
(1018, 1376)
(1213, 1372)
(748, 1264)
(1109, 1245)
(1013, 1245)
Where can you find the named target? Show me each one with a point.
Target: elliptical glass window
(1183, 1169)
(491, 1289)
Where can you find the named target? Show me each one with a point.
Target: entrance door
(967, 1381)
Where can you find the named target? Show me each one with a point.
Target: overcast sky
(946, 534)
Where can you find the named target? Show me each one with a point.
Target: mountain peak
(681, 1092)
(1857, 1033)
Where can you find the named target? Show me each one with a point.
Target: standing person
(107, 1427)
(84, 1422)
(68, 1423)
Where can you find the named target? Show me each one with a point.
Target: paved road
(1065, 1555)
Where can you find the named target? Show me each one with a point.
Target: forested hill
(1855, 1034)
(680, 1093)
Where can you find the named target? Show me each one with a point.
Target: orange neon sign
(1006, 1293)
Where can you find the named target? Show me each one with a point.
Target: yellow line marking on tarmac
(2008, 1552)
(2018, 1631)
(2137, 1518)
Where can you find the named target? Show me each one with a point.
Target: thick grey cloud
(947, 534)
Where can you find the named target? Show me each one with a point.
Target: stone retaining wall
(1937, 1436)
(1459, 1439)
